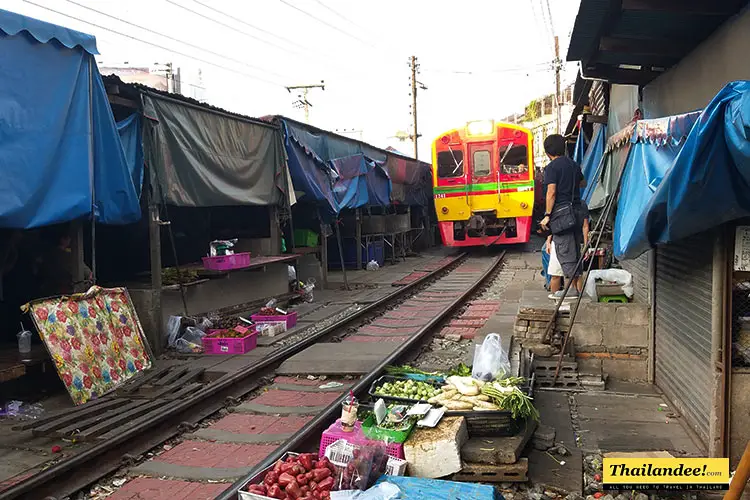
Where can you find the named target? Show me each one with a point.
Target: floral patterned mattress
(94, 338)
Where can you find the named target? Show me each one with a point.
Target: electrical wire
(177, 40)
(210, 63)
(242, 32)
(214, 9)
(339, 15)
(322, 21)
(543, 66)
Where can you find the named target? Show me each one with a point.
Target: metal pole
(557, 84)
(414, 103)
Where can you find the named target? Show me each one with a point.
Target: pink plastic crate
(291, 319)
(335, 432)
(220, 345)
(227, 262)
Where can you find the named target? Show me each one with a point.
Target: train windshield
(514, 159)
(450, 164)
(481, 163)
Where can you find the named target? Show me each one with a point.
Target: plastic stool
(614, 298)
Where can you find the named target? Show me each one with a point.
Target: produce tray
(371, 430)
(227, 262)
(246, 495)
(290, 319)
(392, 378)
(213, 344)
(488, 423)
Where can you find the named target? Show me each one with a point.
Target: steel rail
(319, 421)
(85, 458)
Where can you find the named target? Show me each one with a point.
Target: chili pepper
(292, 489)
(277, 466)
(320, 474)
(275, 492)
(306, 461)
(285, 478)
(271, 478)
(325, 485)
(287, 467)
(302, 479)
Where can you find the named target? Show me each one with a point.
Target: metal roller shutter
(638, 267)
(682, 328)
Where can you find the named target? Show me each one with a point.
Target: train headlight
(444, 210)
(524, 205)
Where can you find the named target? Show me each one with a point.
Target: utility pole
(303, 102)
(414, 85)
(558, 67)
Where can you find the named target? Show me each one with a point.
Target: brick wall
(613, 338)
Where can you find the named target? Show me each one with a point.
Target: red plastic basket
(356, 437)
(227, 262)
(291, 319)
(213, 344)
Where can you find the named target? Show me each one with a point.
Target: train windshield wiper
(458, 164)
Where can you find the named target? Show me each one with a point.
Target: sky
(478, 59)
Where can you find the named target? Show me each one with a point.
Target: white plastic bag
(292, 273)
(173, 330)
(308, 290)
(490, 360)
(183, 346)
(619, 276)
(373, 266)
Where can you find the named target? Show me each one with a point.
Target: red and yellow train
(483, 184)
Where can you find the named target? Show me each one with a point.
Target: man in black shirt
(563, 180)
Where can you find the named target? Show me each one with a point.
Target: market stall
(67, 164)
(416, 433)
(213, 176)
(359, 195)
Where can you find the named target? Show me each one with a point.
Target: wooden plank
(172, 376)
(80, 425)
(64, 420)
(12, 372)
(54, 415)
(146, 378)
(149, 417)
(185, 391)
(179, 383)
(120, 419)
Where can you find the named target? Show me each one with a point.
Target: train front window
(450, 164)
(514, 159)
(481, 163)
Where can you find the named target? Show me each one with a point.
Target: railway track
(172, 402)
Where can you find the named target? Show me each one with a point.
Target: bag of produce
(174, 325)
(368, 465)
(490, 360)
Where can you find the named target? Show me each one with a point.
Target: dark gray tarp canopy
(201, 157)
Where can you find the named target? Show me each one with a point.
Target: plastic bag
(21, 410)
(383, 491)
(368, 465)
(373, 266)
(174, 325)
(490, 360)
(193, 335)
(307, 290)
(204, 324)
(292, 273)
(619, 276)
(186, 347)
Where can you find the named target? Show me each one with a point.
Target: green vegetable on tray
(511, 398)
(409, 389)
(461, 370)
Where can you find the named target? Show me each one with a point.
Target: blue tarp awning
(592, 159)
(61, 154)
(673, 189)
(340, 173)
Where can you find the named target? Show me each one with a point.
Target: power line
(285, 2)
(220, 23)
(214, 9)
(248, 75)
(339, 15)
(543, 66)
(549, 14)
(175, 39)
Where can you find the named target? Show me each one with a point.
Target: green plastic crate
(371, 430)
(305, 238)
